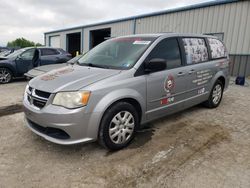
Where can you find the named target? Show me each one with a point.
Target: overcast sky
(31, 18)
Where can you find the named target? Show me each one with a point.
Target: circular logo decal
(169, 83)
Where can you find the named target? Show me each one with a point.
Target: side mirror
(155, 65)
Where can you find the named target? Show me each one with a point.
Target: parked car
(123, 83)
(21, 61)
(46, 68)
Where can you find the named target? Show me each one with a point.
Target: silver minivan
(124, 83)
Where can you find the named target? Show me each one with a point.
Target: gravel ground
(198, 147)
(12, 93)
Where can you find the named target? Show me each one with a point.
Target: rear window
(218, 50)
(195, 50)
(47, 51)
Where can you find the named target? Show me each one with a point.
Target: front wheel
(5, 76)
(118, 126)
(215, 95)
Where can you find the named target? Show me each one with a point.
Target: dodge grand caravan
(124, 83)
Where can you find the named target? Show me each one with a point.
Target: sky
(31, 18)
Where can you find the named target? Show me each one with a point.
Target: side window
(28, 55)
(218, 50)
(46, 51)
(195, 50)
(167, 49)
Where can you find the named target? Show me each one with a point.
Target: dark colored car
(21, 61)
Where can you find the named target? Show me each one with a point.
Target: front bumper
(61, 125)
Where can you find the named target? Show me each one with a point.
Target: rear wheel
(215, 95)
(118, 126)
(5, 76)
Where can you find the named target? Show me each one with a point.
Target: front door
(166, 90)
(25, 61)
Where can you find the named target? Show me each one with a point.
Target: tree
(22, 43)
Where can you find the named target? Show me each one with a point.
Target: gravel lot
(195, 148)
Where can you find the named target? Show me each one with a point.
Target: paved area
(198, 147)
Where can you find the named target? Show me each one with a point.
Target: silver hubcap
(121, 127)
(217, 92)
(4, 76)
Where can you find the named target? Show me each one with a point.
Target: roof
(185, 8)
(167, 34)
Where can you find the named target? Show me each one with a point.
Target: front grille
(37, 98)
(49, 131)
(42, 94)
(39, 104)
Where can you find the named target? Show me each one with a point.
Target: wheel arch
(131, 101)
(10, 68)
(223, 80)
(126, 95)
(219, 76)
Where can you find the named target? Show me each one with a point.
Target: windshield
(117, 53)
(16, 53)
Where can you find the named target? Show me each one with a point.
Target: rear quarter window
(195, 50)
(218, 50)
(45, 52)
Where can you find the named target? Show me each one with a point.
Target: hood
(47, 68)
(70, 78)
(43, 69)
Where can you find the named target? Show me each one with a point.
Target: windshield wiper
(95, 65)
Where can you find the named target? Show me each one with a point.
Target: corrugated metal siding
(231, 19)
(240, 65)
(117, 29)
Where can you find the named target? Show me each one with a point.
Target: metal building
(227, 19)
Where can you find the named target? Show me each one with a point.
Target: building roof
(185, 8)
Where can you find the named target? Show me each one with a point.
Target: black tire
(6, 76)
(104, 137)
(210, 102)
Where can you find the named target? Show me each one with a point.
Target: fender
(9, 66)
(215, 77)
(117, 95)
(110, 99)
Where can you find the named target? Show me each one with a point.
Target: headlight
(72, 99)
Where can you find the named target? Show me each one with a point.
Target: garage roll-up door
(55, 41)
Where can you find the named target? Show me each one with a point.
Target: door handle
(191, 71)
(181, 74)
